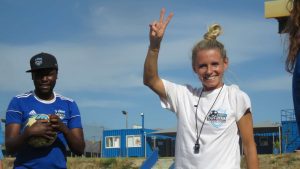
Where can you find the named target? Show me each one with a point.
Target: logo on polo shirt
(217, 117)
(60, 113)
(32, 112)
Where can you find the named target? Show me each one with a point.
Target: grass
(283, 161)
(101, 163)
(270, 161)
(92, 163)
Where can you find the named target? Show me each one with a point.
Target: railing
(172, 166)
(151, 160)
(290, 134)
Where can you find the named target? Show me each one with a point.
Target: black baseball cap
(42, 61)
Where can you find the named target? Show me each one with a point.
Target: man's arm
(75, 140)
(245, 126)
(14, 139)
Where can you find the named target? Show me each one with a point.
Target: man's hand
(40, 128)
(57, 124)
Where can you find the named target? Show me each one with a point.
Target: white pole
(126, 117)
(126, 120)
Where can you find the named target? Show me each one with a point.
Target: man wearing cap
(65, 120)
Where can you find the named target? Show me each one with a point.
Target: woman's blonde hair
(209, 42)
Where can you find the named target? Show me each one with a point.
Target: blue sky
(101, 46)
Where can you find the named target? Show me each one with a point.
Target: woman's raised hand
(157, 29)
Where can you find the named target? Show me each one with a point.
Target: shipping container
(126, 143)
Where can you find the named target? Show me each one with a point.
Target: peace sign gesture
(157, 29)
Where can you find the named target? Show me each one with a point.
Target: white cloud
(103, 103)
(80, 66)
(108, 50)
(86, 66)
(115, 22)
(268, 84)
(246, 38)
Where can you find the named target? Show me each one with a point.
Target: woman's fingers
(162, 15)
(157, 28)
(169, 18)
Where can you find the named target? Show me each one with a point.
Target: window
(112, 142)
(134, 141)
(263, 141)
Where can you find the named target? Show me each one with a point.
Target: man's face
(44, 81)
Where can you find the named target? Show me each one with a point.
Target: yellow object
(277, 8)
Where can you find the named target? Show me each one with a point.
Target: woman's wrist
(154, 48)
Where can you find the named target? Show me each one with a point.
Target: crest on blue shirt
(60, 113)
(217, 117)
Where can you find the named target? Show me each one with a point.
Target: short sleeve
(75, 118)
(13, 112)
(177, 95)
(243, 104)
(169, 102)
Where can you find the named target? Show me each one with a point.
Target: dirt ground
(284, 161)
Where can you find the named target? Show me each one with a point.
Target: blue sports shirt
(28, 104)
(296, 90)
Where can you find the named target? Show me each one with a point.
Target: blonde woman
(211, 117)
